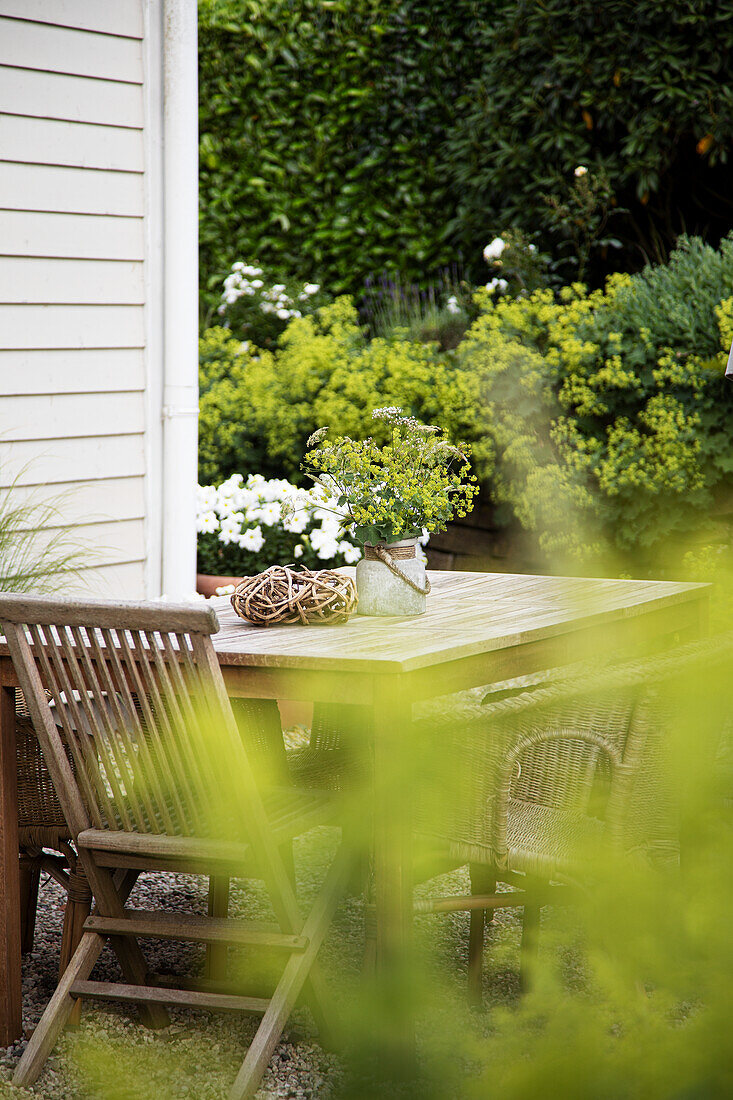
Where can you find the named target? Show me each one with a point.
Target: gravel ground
(112, 1055)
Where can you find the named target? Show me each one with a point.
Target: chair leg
(298, 969)
(61, 1005)
(482, 882)
(530, 944)
(216, 953)
(30, 877)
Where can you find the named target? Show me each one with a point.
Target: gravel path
(198, 1056)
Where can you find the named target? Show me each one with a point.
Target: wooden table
(479, 628)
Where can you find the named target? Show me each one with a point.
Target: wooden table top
(468, 614)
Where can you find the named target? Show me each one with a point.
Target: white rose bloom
(452, 305)
(496, 284)
(277, 288)
(257, 284)
(494, 250)
(252, 539)
(311, 288)
(249, 270)
(283, 314)
(581, 170)
(267, 307)
(238, 266)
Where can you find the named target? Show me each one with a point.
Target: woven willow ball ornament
(285, 595)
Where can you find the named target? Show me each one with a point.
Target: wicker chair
(548, 779)
(41, 825)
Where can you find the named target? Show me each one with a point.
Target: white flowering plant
(258, 307)
(243, 528)
(515, 264)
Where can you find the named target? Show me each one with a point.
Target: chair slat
(126, 723)
(104, 732)
(149, 775)
(58, 683)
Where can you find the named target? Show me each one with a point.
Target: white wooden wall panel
(108, 16)
(45, 187)
(72, 326)
(95, 370)
(58, 49)
(68, 415)
(86, 502)
(57, 461)
(72, 98)
(75, 389)
(81, 144)
(76, 282)
(112, 581)
(72, 236)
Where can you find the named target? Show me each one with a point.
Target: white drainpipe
(180, 296)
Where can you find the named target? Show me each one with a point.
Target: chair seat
(289, 812)
(549, 842)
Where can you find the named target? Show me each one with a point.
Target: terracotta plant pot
(207, 584)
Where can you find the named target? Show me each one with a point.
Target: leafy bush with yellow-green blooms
(609, 411)
(600, 420)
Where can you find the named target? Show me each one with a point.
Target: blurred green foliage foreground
(631, 993)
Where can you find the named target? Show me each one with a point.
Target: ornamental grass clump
(416, 482)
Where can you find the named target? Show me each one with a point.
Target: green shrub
(258, 407)
(321, 133)
(354, 137)
(636, 91)
(608, 411)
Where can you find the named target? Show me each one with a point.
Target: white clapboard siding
(114, 498)
(107, 16)
(99, 543)
(72, 236)
(52, 461)
(81, 144)
(80, 396)
(71, 98)
(71, 190)
(69, 415)
(58, 49)
(72, 282)
(92, 370)
(113, 581)
(72, 326)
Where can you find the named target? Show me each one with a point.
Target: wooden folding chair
(162, 780)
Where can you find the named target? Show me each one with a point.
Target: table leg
(393, 775)
(10, 979)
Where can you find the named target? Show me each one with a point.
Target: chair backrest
(142, 708)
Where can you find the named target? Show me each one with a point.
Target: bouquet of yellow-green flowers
(416, 482)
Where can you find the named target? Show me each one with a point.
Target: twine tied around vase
(388, 555)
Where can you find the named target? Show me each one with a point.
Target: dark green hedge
(345, 137)
(322, 123)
